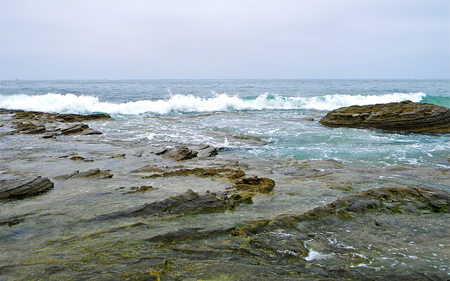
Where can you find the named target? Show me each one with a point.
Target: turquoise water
(252, 118)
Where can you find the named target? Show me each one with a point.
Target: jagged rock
(89, 132)
(188, 202)
(404, 116)
(200, 172)
(261, 185)
(51, 124)
(92, 173)
(29, 128)
(207, 151)
(389, 201)
(19, 188)
(71, 118)
(179, 153)
(191, 234)
(141, 189)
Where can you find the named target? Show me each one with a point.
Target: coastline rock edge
(406, 116)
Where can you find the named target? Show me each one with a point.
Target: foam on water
(70, 103)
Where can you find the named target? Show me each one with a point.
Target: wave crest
(70, 103)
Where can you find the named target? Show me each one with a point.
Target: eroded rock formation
(407, 116)
(20, 188)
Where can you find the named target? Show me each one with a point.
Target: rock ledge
(407, 116)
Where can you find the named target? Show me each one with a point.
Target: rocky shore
(78, 206)
(409, 117)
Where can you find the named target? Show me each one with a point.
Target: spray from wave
(70, 103)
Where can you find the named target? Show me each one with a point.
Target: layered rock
(92, 173)
(49, 124)
(404, 116)
(188, 202)
(19, 188)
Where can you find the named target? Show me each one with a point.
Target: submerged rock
(404, 116)
(26, 187)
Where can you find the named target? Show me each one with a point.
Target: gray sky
(298, 39)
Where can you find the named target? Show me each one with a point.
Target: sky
(233, 39)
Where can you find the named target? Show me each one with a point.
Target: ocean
(250, 118)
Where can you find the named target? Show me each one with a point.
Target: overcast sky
(207, 39)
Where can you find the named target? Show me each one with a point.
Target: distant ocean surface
(251, 118)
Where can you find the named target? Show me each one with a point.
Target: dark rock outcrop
(20, 188)
(190, 234)
(49, 124)
(404, 116)
(231, 174)
(178, 153)
(188, 202)
(92, 173)
(390, 201)
(207, 151)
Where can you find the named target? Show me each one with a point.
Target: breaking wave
(70, 103)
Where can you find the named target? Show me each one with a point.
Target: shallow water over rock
(265, 219)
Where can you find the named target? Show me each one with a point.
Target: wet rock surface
(92, 173)
(49, 124)
(186, 203)
(262, 185)
(24, 187)
(405, 116)
(137, 210)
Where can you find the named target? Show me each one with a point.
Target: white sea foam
(70, 103)
(314, 255)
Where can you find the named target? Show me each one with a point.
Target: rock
(261, 185)
(89, 132)
(71, 118)
(92, 173)
(179, 153)
(188, 202)
(118, 156)
(51, 124)
(141, 189)
(404, 116)
(231, 174)
(75, 129)
(24, 187)
(29, 128)
(390, 201)
(207, 151)
(191, 234)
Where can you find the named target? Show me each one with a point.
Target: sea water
(251, 118)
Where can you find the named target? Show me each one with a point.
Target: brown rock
(179, 153)
(404, 116)
(262, 185)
